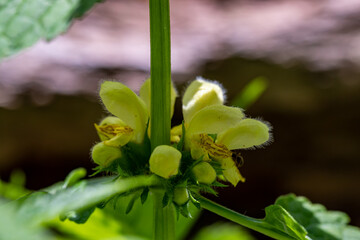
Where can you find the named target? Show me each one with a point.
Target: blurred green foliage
(250, 93)
(223, 231)
(24, 22)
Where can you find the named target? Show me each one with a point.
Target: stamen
(113, 130)
(215, 150)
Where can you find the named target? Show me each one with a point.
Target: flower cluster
(205, 147)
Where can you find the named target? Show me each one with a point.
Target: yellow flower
(130, 110)
(228, 124)
(132, 113)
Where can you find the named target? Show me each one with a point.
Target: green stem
(164, 218)
(258, 225)
(160, 72)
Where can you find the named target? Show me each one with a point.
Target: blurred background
(309, 52)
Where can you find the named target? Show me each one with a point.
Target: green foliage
(11, 227)
(279, 219)
(139, 220)
(293, 217)
(24, 22)
(15, 188)
(223, 231)
(320, 223)
(251, 93)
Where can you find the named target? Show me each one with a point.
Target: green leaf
(318, 221)
(144, 195)
(80, 216)
(251, 93)
(24, 22)
(277, 224)
(279, 218)
(74, 176)
(137, 221)
(46, 205)
(131, 203)
(223, 231)
(13, 228)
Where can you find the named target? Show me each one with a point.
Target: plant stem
(160, 72)
(255, 224)
(164, 218)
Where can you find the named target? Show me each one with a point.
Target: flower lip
(126, 105)
(199, 94)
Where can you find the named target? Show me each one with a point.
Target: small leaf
(184, 210)
(194, 201)
(74, 176)
(208, 189)
(218, 184)
(144, 195)
(80, 216)
(131, 203)
(165, 200)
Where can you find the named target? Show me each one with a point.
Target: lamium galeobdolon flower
(204, 148)
(127, 128)
(215, 131)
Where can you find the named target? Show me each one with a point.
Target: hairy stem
(160, 72)
(164, 218)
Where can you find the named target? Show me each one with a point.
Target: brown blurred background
(308, 50)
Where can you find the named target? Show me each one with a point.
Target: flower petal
(125, 104)
(230, 171)
(214, 120)
(104, 155)
(145, 95)
(246, 134)
(199, 94)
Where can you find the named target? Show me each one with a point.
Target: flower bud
(104, 155)
(199, 94)
(181, 196)
(204, 173)
(164, 161)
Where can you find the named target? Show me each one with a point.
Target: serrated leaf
(279, 218)
(46, 205)
(24, 22)
(319, 222)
